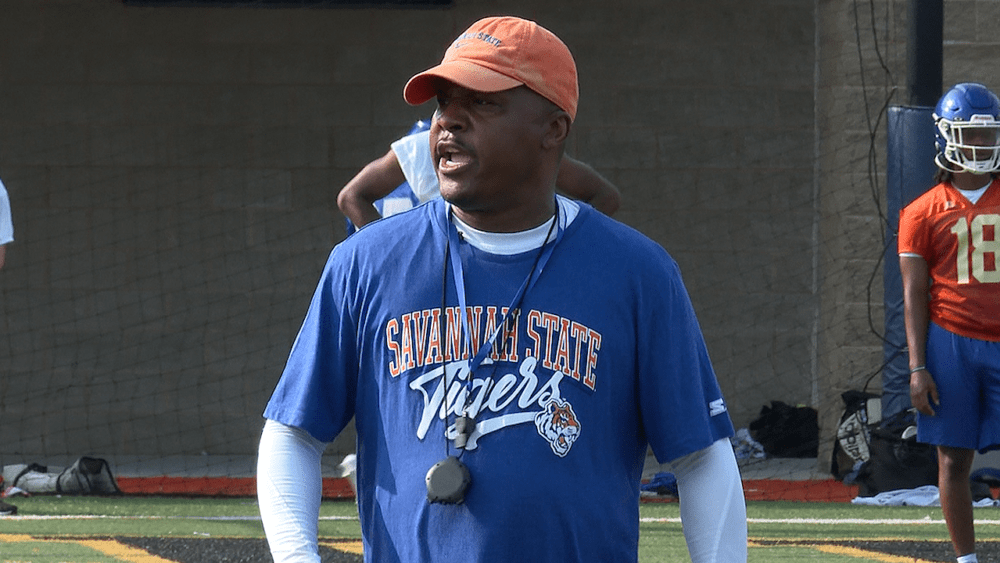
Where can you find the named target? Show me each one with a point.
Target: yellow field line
(130, 554)
(349, 546)
(121, 551)
(841, 550)
(111, 548)
(864, 554)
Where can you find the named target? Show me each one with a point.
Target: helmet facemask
(971, 146)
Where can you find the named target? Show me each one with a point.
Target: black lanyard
(545, 252)
(465, 424)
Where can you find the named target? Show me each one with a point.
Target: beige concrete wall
(851, 89)
(173, 173)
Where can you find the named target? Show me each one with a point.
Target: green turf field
(52, 529)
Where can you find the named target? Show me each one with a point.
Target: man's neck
(970, 182)
(508, 221)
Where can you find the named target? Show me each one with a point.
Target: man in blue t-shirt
(508, 354)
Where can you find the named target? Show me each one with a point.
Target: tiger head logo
(558, 424)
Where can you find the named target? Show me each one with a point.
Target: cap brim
(424, 86)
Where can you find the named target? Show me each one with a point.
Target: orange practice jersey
(959, 241)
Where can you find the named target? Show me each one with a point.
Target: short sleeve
(317, 387)
(912, 238)
(683, 409)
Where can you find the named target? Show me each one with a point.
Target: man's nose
(452, 116)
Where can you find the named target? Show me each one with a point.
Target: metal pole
(924, 48)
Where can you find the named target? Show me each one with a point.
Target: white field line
(108, 517)
(830, 521)
(818, 521)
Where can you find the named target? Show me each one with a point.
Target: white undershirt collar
(974, 195)
(522, 241)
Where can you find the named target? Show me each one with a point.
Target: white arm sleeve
(6, 224)
(413, 153)
(713, 509)
(289, 490)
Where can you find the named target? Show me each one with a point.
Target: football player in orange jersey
(949, 244)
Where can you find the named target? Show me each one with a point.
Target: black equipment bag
(787, 431)
(896, 463)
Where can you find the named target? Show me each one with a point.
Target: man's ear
(557, 130)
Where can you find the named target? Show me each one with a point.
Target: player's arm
(713, 509)
(3, 255)
(289, 488)
(376, 180)
(579, 181)
(916, 316)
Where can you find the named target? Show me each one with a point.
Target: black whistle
(463, 429)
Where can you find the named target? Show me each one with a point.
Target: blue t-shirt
(607, 357)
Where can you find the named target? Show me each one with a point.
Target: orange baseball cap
(500, 53)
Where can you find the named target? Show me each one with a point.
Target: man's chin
(454, 193)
